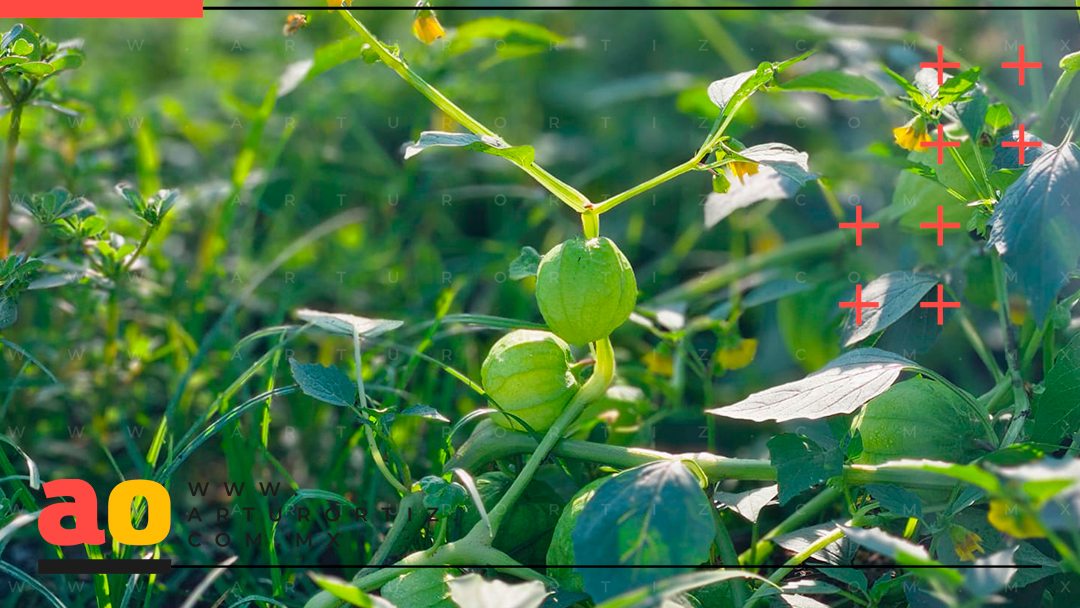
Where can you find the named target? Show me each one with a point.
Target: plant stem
(593, 388)
(690, 165)
(795, 560)
(8, 170)
(1020, 397)
(138, 250)
(377, 457)
(560, 189)
(762, 548)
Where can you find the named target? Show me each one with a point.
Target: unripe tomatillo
(527, 373)
(585, 289)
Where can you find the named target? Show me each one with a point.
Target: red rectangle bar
(104, 9)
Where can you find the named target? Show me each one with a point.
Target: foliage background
(175, 104)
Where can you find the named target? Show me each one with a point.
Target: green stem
(8, 170)
(977, 344)
(380, 463)
(690, 165)
(1020, 397)
(795, 560)
(593, 388)
(1053, 105)
(563, 191)
(138, 250)
(763, 547)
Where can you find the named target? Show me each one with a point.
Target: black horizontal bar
(105, 566)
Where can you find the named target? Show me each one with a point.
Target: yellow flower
(740, 168)
(738, 356)
(912, 134)
(338, 3)
(658, 364)
(1012, 521)
(965, 542)
(426, 27)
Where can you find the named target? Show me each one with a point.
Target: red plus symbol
(941, 65)
(1021, 144)
(858, 225)
(940, 226)
(940, 305)
(858, 305)
(1021, 65)
(940, 144)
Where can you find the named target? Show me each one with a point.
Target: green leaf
(69, 60)
(809, 321)
(1036, 228)
(520, 155)
(837, 85)
(525, 265)
(841, 387)
(972, 113)
(326, 57)
(802, 464)
(957, 86)
(657, 594)
(1056, 413)
(9, 312)
(327, 384)
(22, 47)
(442, 495)
(425, 588)
(896, 293)
(345, 592)
(897, 500)
(1009, 158)
(652, 515)
(513, 38)
(423, 411)
(920, 197)
(13, 60)
(749, 503)
(11, 36)
(902, 551)
(729, 93)
(474, 591)
(990, 574)
(35, 68)
(998, 116)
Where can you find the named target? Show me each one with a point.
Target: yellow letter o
(158, 512)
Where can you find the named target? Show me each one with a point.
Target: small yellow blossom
(426, 27)
(738, 356)
(338, 3)
(965, 542)
(740, 168)
(1012, 521)
(658, 364)
(912, 134)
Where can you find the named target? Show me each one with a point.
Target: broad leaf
(525, 265)
(423, 411)
(722, 92)
(905, 553)
(896, 293)
(838, 85)
(327, 384)
(344, 324)
(990, 574)
(1057, 409)
(798, 541)
(445, 496)
(520, 155)
(651, 515)
(784, 170)
(897, 500)
(1036, 227)
(345, 592)
(474, 591)
(802, 464)
(841, 387)
(998, 116)
(749, 503)
(1009, 158)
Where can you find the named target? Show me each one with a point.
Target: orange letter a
(83, 509)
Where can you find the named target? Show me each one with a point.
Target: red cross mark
(941, 64)
(858, 225)
(1020, 65)
(940, 144)
(940, 305)
(1021, 143)
(940, 226)
(858, 304)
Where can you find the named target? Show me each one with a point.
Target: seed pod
(918, 418)
(585, 289)
(527, 373)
